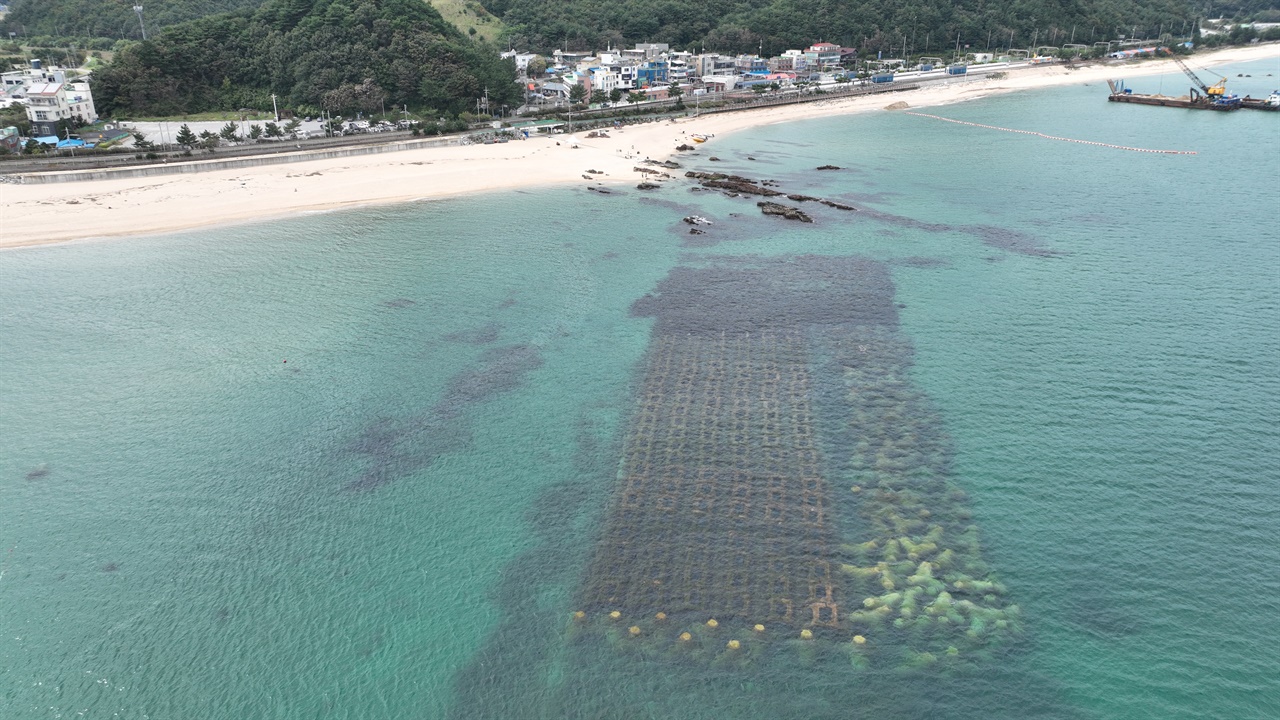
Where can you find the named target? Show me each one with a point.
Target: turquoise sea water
(396, 522)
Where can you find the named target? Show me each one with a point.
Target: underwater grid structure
(782, 483)
(722, 508)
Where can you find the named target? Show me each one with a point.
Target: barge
(1194, 101)
(1200, 97)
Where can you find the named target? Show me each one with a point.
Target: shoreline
(43, 214)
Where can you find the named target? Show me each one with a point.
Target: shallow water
(358, 464)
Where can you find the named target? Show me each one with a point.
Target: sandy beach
(51, 213)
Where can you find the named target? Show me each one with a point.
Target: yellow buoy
(806, 634)
(615, 614)
(661, 616)
(578, 615)
(758, 628)
(685, 637)
(634, 630)
(734, 645)
(712, 623)
(859, 640)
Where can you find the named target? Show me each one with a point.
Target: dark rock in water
(828, 167)
(713, 158)
(836, 205)
(696, 231)
(38, 472)
(400, 303)
(744, 187)
(602, 191)
(750, 158)
(110, 567)
(682, 147)
(648, 186)
(801, 198)
(786, 211)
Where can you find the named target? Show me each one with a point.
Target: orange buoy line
(1054, 137)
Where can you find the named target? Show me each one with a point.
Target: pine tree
(186, 138)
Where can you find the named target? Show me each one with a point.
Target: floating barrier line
(1054, 137)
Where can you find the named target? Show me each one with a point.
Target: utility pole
(275, 108)
(138, 9)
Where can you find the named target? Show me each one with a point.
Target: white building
(604, 80)
(521, 59)
(14, 83)
(48, 103)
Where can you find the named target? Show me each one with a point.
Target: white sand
(40, 214)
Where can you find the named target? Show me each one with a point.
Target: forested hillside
(775, 25)
(107, 18)
(340, 55)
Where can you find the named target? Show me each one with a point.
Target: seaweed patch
(396, 448)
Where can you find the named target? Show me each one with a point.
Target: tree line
(772, 26)
(344, 56)
(107, 18)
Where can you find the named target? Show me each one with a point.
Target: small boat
(699, 138)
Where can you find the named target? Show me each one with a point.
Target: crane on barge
(1216, 91)
(1201, 97)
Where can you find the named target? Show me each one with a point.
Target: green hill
(107, 18)
(115, 19)
(775, 25)
(340, 55)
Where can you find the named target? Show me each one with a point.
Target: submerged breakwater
(723, 533)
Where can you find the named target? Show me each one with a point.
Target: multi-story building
(49, 97)
(823, 55)
(652, 73)
(646, 51)
(48, 103)
(712, 64)
(604, 79)
(796, 61)
(14, 83)
(751, 64)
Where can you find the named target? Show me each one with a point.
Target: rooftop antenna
(138, 9)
